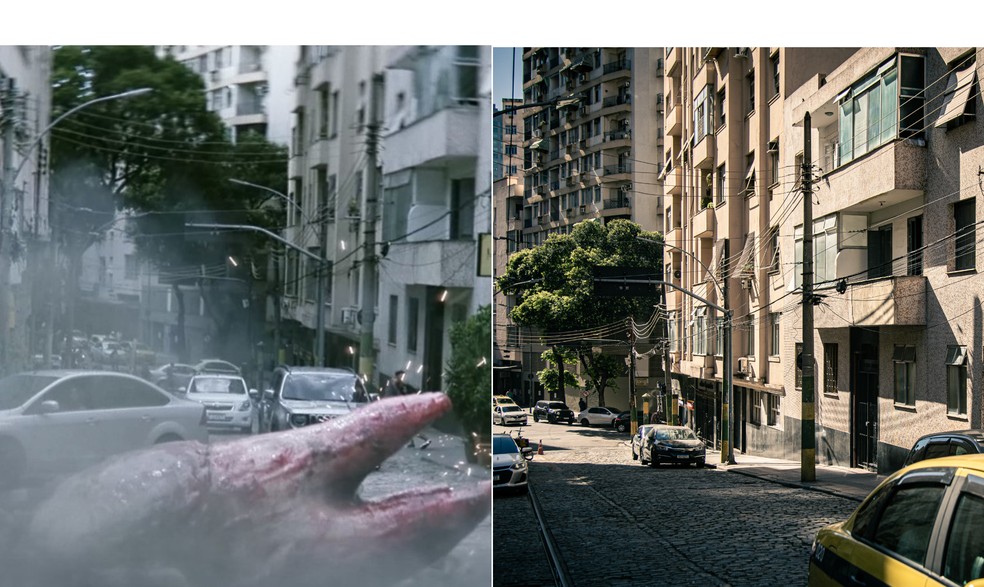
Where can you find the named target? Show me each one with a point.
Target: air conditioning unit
(350, 315)
(743, 365)
(626, 187)
(583, 208)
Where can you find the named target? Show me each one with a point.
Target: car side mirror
(254, 394)
(49, 407)
(526, 450)
(267, 394)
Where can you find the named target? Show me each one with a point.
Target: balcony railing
(246, 109)
(612, 203)
(617, 65)
(616, 135)
(618, 168)
(616, 100)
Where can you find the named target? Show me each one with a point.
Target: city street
(618, 523)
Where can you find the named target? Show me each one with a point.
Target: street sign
(642, 381)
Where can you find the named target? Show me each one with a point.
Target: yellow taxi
(502, 400)
(923, 525)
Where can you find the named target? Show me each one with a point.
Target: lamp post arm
(689, 254)
(47, 129)
(281, 195)
(272, 235)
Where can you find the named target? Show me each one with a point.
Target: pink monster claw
(265, 507)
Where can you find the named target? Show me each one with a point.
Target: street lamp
(727, 447)
(281, 195)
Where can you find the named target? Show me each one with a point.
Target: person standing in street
(582, 405)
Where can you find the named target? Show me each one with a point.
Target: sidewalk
(853, 484)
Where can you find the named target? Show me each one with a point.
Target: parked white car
(60, 421)
(598, 416)
(509, 414)
(227, 403)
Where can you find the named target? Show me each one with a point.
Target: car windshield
(17, 389)
(676, 434)
(511, 408)
(557, 406)
(337, 387)
(217, 385)
(502, 445)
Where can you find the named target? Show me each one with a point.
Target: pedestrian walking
(582, 405)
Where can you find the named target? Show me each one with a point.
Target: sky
(502, 71)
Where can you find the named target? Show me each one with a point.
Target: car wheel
(700, 463)
(584, 422)
(635, 457)
(536, 418)
(653, 459)
(12, 462)
(551, 420)
(168, 438)
(621, 427)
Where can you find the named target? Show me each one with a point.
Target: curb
(799, 485)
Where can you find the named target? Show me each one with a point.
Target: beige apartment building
(896, 166)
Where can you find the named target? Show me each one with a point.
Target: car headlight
(519, 466)
(298, 419)
(245, 405)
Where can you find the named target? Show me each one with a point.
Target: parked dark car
(623, 421)
(672, 444)
(552, 412)
(945, 444)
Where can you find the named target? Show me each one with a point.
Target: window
(797, 365)
(130, 266)
(825, 249)
(510, 129)
(511, 150)
(749, 187)
(413, 307)
(394, 309)
(673, 332)
(772, 410)
(722, 181)
(906, 522)
(719, 350)
(774, 250)
(750, 84)
(774, 162)
(904, 360)
(775, 73)
(755, 406)
(958, 106)
(774, 339)
(719, 108)
(701, 331)
(914, 257)
(703, 106)
(750, 342)
(467, 67)
(956, 380)
(965, 542)
(830, 368)
(964, 213)
(871, 110)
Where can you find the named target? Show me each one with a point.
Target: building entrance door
(864, 393)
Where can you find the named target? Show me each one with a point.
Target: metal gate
(864, 391)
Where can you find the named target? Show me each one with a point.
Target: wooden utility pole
(367, 350)
(808, 453)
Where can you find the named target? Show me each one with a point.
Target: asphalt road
(619, 523)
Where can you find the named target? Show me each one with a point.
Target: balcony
(892, 301)
(673, 123)
(888, 175)
(703, 154)
(674, 236)
(618, 135)
(450, 134)
(673, 181)
(703, 223)
(620, 65)
(616, 203)
(616, 100)
(674, 299)
(672, 60)
(411, 270)
(618, 169)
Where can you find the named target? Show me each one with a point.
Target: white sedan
(509, 414)
(227, 404)
(598, 416)
(60, 421)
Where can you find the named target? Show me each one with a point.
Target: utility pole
(808, 453)
(8, 101)
(367, 351)
(667, 379)
(728, 410)
(632, 374)
(319, 359)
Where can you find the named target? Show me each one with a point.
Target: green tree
(162, 154)
(550, 377)
(555, 286)
(469, 373)
(601, 370)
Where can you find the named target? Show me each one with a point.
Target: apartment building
(897, 153)
(507, 139)
(250, 87)
(26, 281)
(329, 174)
(724, 181)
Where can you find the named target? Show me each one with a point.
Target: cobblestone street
(619, 523)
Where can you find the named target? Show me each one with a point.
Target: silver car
(509, 414)
(309, 395)
(510, 471)
(59, 421)
(227, 403)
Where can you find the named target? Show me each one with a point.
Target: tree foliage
(161, 154)
(549, 377)
(469, 372)
(601, 371)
